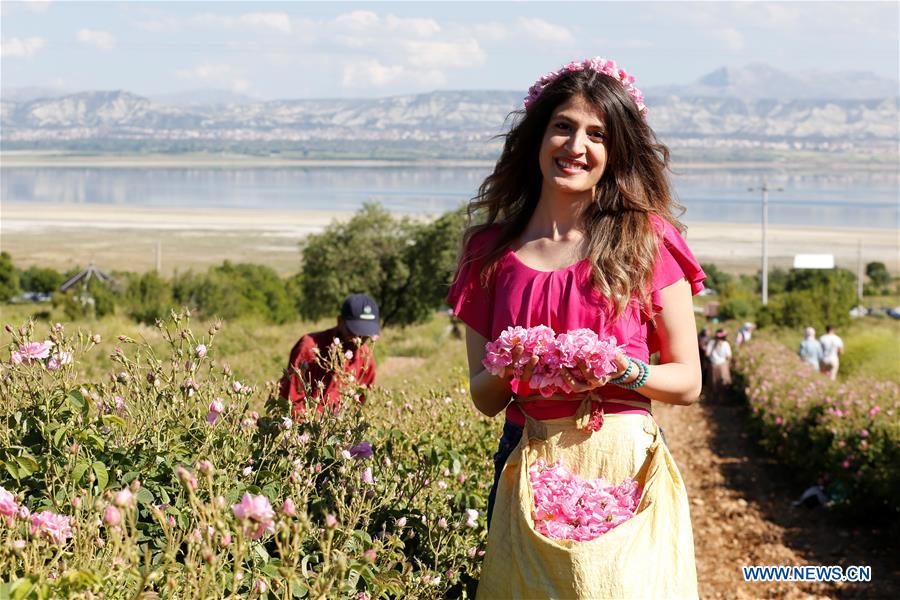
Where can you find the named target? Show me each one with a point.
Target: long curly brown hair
(622, 243)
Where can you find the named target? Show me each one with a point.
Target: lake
(827, 199)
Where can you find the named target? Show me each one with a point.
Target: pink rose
(51, 525)
(8, 504)
(256, 510)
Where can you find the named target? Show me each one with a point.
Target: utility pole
(764, 274)
(859, 272)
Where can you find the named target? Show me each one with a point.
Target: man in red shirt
(307, 367)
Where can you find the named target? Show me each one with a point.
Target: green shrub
(737, 309)
(148, 297)
(233, 290)
(9, 278)
(715, 278)
(92, 301)
(41, 280)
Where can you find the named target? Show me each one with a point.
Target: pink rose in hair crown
(597, 64)
(555, 353)
(567, 507)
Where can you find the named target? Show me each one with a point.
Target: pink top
(564, 300)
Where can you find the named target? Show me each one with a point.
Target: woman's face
(573, 151)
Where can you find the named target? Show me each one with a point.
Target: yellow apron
(649, 556)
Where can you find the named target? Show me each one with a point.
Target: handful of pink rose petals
(567, 507)
(554, 352)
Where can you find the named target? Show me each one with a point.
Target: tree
(814, 297)
(403, 265)
(432, 260)
(149, 297)
(877, 272)
(9, 278)
(715, 278)
(232, 290)
(40, 280)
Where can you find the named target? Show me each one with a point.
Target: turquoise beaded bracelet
(618, 380)
(642, 378)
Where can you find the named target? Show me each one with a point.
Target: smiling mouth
(568, 164)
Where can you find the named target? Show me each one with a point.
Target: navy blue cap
(361, 315)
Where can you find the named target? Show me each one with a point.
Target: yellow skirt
(649, 556)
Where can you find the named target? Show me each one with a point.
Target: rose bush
(171, 475)
(844, 436)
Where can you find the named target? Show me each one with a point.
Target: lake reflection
(829, 200)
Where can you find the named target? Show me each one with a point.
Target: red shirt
(305, 359)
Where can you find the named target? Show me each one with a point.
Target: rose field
(844, 436)
(155, 461)
(171, 474)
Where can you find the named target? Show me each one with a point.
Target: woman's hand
(527, 370)
(588, 382)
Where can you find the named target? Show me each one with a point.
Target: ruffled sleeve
(470, 301)
(675, 261)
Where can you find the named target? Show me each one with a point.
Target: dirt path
(742, 514)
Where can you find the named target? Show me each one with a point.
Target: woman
(718, 350)
(578, 232)
(810, 349)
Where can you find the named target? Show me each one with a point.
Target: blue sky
(352, 49)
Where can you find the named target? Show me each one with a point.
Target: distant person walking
(718, 350)
(832, 349)
(810, 349)
(744, 334)
(703, 339)
(308, 369)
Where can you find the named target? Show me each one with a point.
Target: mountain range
(751, 106)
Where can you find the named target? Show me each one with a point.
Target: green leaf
(270, 569)
(96, 441)
(144, 496)
(13, 469)
(261, 552)
(58, 435)
(107, 419)
(79, 471)
(304, 566)
(299, 589)
(101, 473)
(27, 465)
(76, 400)
(21, 588)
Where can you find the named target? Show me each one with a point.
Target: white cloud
(37, 6)
(280, 22)
(731, 37)
(716, 21)
(160, 24)
(490, 32)
(21, 47)
(370, 72)
(270, 21)
(357, 20)
(412, 26)
(543, 31)
(218, 75)
(360, 27)
(439, 55)
(99, 39)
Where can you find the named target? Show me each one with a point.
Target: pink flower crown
(600, 65)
